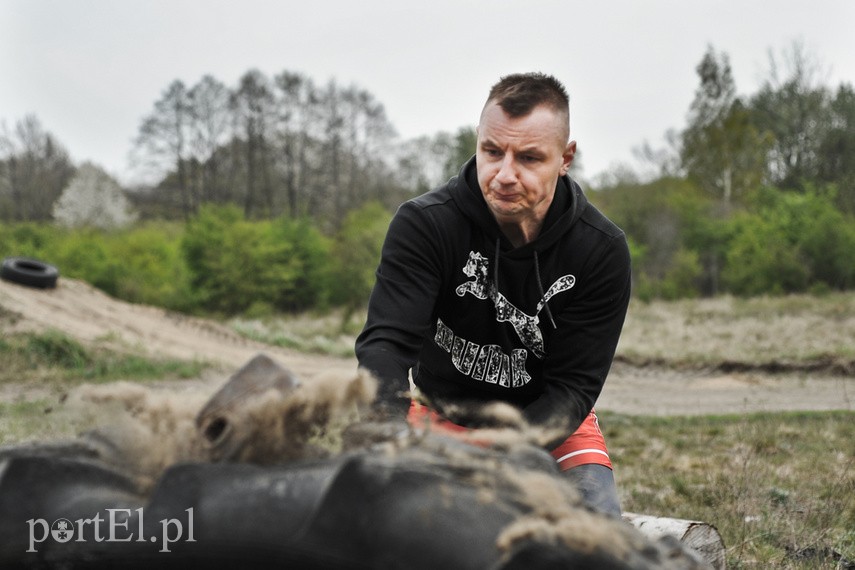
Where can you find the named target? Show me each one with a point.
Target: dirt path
(662, 392)
(85, 313)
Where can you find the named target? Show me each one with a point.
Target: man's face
(519, 161)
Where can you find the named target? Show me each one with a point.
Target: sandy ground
(85, 313)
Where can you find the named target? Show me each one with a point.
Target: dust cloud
(144, 430)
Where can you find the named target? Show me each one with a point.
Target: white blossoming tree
(93, 198)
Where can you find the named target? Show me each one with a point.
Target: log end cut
(701, 537)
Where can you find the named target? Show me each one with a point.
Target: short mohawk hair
(518, 94)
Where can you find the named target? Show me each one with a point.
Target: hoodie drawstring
(496, 266)
(542, 292)
(537, 277)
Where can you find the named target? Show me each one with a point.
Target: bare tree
(210, 129)
(331, 138)
(356, 149)
(281, 145)
(253, 106)
(164, 140)
(837, 150)
(34, 168)
(297, 99)
(375, 142)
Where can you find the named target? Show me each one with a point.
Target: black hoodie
(479, 320)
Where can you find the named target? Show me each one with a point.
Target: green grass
(53, 357)
(37, 419)
(38, 369)
(795, 331)
(333, 333)
(775, 485)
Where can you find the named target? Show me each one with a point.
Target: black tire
(30, 272)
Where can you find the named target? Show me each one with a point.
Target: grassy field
(38, 369)
(779, 487)
(53, 358)
(797, 330)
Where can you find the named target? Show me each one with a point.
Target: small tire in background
(30, 272)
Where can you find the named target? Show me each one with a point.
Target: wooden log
(701, 537)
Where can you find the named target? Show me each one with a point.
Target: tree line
(273, 145)
(34, 170)
(754, 194)
(280, 145)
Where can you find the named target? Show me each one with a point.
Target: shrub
(235, 264)
(311, 256)
(29, 239)
(357, 254)
(761, 259)
(54, 348)
(84, 254)
(667, 222)
(152, 269)
(790, 242)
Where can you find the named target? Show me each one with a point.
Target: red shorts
(586, 445)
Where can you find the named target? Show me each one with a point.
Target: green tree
(462, 149)
(30, 239)
(792, 106)
(357, 254)
(84, 254)
(665, 221)
(311, 259)
(837, 148)
(721, 151)
(153, 270)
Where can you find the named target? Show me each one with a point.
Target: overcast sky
(91, 69)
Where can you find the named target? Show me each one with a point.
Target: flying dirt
(244, 481)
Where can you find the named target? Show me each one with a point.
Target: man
(506, 284)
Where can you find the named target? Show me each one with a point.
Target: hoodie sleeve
(401, 305)
(581, 350)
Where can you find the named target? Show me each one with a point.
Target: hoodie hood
(567, 206)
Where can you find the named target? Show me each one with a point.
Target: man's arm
(401, 306)
(580, 352)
